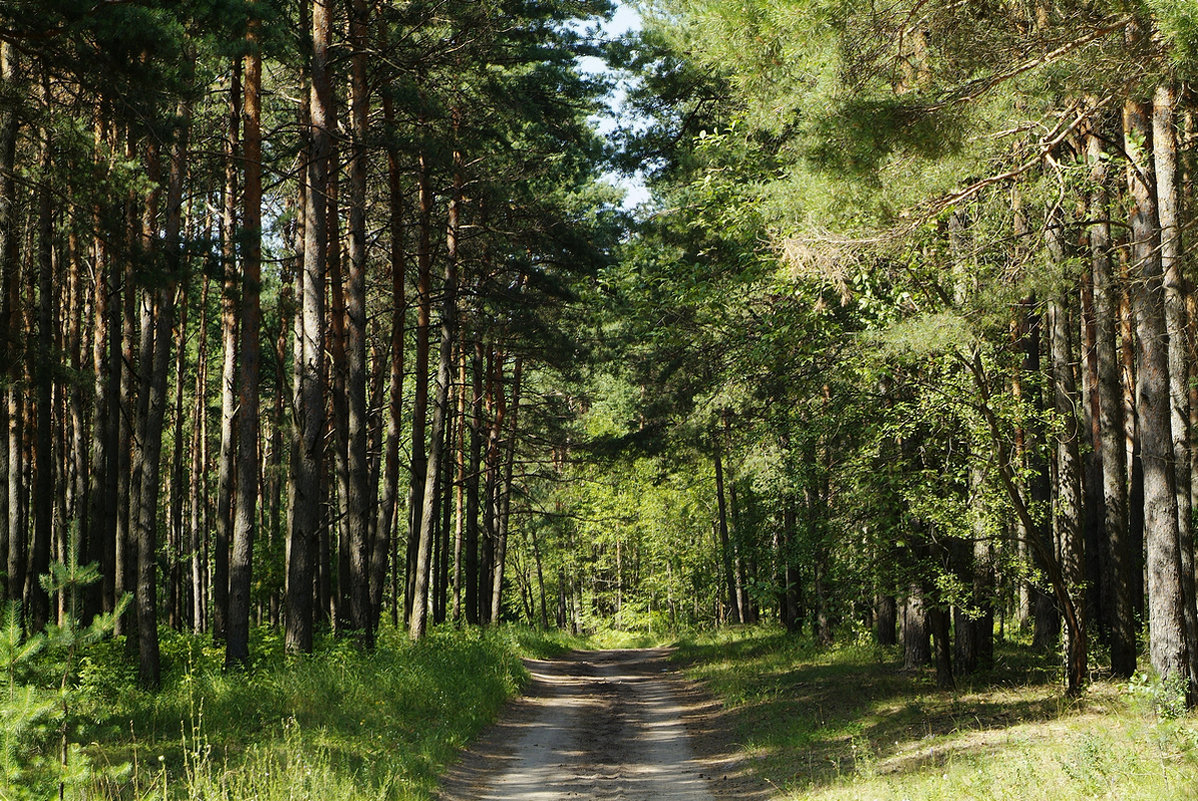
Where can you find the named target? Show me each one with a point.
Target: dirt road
(607, 726)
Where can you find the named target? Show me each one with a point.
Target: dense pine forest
(327, 338)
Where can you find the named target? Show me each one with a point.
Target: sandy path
(602, 725)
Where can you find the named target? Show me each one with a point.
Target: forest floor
(841, 723)
(606, 725)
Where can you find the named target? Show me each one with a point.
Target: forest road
(618, 725)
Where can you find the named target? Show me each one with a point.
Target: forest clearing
(697, 399)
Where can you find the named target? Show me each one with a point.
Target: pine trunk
(226, 459)
(1116, 566)
(505, 499)
(419, 468)
(384, 528)
(305, 522)
(360, 499)
(237, 648)
(1168, 197)
(417, 621)
(1168, 648)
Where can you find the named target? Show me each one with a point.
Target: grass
(818, 724)
(847, 723)
(338, 724)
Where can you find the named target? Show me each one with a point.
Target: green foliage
(39, 731)
(1165, 697)
(337, 724)
(1177, 23)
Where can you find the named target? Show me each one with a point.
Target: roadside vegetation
(818, 723)
(338, 724)
(846, 722)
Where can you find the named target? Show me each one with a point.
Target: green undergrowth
(338, 724)
(833, 724)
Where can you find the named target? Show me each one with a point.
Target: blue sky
(625, 19)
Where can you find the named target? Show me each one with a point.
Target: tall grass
(846, 723)
(338, 724)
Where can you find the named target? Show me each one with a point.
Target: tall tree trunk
(199, 470)
(792, 619)
(9, 124)
(1117, 564)
(1068, 509)
(226, 464)
(418, 619)
(16, 529)
(459, 482)
(420, 398)
(360, 498)
(125, 545)
(494, 407)
(1168, 647)
(384, 528)
(1168, 196)
(505, 500)
(155, 379)
(39, 553)
(106, 387)
(237, 647)
(177, 593)
(305, 521)
(725, 545)
(938, 623)
(472, 485)
(1046, 622)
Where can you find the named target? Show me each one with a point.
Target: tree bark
(1168, 647)
(237, 648)
(419, 460)
(1116, 564)
(384, 528)
(418, 619)
(43, 498)
(1168, 197)
(917, 645)
(473, 480)
(10, 587)
(1067, 513)
(154, 383)
(505, 500)
(199, 470)
(305, 522)
(226, 459)
(360, 498)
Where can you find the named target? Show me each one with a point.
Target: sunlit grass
(339, 724)
(846, 723)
